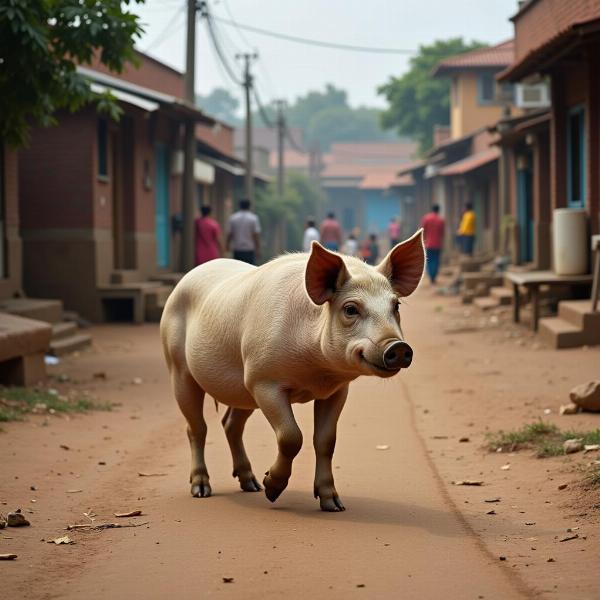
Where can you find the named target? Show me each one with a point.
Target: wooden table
(532, 280)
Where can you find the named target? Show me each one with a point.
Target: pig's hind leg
(190, 397)
(233, 424)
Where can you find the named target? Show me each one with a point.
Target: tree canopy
(417, 101)
(220, 104)
(41, 44)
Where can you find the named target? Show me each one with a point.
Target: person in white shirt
(243, 234)
(310, 233)
(351, 245)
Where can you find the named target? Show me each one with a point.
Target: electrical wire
(167, 31)
(291, 140)
(208, 18)
(263, 113)
(311, 42)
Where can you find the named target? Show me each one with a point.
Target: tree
(326, 117)
(41, 44)
(220, 104)
(301, 198)
(417, 101)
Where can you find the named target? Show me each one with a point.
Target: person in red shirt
(433, 228)
(208, 237)
(331, 233)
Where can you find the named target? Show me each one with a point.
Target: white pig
(296, 329)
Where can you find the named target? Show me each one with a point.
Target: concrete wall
(466, 114)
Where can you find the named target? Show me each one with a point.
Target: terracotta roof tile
(470, 163)
(498, 56)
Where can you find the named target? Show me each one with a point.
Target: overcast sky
(287, 69)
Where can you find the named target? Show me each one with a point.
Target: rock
(563, 486)
(587, 395)
(568, 409)
(572, 446)
(8, 556)
(16, 519)
(2, 522)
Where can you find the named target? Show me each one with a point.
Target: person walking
(208, 237)
(331, 233)
(370, 250)
(310, 233)
(394, 231)
(466, 230)
(351, 246)
(433, 227)
(243, 234)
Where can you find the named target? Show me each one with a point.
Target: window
(102, 148)
(576, 157)
(486, 88)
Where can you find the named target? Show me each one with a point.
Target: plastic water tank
(570, 241)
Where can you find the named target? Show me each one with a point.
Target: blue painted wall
(380, 207)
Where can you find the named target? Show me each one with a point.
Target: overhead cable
(311, 42)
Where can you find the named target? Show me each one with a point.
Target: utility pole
(189, 143)
(247, 83)
(280, 104)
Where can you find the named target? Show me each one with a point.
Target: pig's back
(224, 309)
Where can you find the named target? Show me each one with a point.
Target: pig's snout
(397, 355)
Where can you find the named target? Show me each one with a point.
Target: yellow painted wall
(466, 114)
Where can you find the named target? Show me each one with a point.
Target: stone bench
(23, 344)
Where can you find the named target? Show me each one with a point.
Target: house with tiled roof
(362, 184)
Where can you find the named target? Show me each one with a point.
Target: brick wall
(545, 19)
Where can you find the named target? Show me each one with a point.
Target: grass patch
(546, 439)
(16, 402)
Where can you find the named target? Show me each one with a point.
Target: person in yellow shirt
(466, 230)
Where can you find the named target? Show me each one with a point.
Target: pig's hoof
(333, 504)
(273, 487)
(201, 490)
(250, 485)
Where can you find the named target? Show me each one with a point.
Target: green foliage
(326, 117)
(417, 101)
(15, 402)
(301, 198)
(41, 43)
(221, 105)
(546, 439)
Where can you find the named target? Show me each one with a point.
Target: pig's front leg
(275, 404)
(327, 413)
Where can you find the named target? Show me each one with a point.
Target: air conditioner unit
(532, 96)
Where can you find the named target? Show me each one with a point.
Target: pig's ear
(404, 264)
(325, 274)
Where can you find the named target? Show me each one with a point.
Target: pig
(296, 329)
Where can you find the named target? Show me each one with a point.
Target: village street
(407, 531)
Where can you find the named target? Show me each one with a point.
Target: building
(100, 201)
(361, 183)
(463, 164)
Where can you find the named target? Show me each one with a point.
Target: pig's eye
(350, 310)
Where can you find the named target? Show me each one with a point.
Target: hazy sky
(287, 69)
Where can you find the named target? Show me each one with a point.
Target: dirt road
(407, 532)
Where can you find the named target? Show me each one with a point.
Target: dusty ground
(408, 532)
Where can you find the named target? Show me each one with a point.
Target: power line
(166, 31)
(291, 140)
(311, 42)
(263, 113)
(219, 50)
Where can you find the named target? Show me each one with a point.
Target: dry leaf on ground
(382, 447)
(468, 482)
(141, 474)
(65, 539)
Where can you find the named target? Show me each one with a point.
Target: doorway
(163, 237)
(525, 209)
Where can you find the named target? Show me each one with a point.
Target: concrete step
(70, 344)
(503, 295)
(486, 303)
(63, 330)
(122, 276)
(579, 313)
(38, 309)
(167, 278)
(473, 280)
(559, 333)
